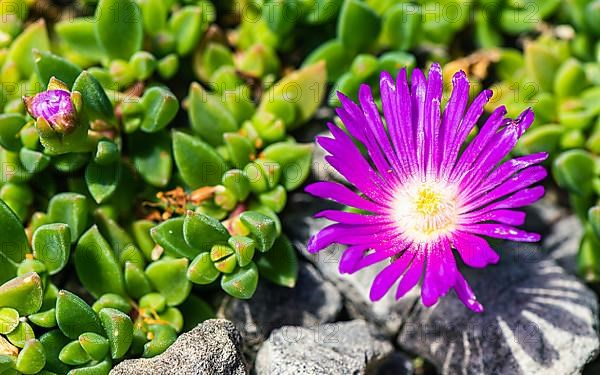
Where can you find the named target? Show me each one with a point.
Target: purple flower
(54, 106)
(422, 192)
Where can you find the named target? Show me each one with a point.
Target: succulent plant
(120, 193)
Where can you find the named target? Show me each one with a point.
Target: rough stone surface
(311, 302)
(340, 348)
(213, 347)
(538, 320)
(299, 225)
(562, 242)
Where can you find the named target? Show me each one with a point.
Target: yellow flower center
(426, 211)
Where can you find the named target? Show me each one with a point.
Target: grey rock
(538, 320)
(213, 347)
(562, 242)
(299, 225)
(311, 302)
(340, 348)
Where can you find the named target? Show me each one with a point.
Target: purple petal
(502, 231)
(396, 125)
(466, 295)
(342, 195)
(350, 258)
(452, 116)
(352, 217)
(520, 181)
(474, 250)
(431, 121)
(500, 145)
(463, 130)
(389, 275)
(501, 174)
(412, 275)
(418, 92)
(509, 217)
(355, 123)
(478, 144)
(440, 273)
(376, 133)
(348, 161)
(521, 198)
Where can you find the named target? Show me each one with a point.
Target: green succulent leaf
(355, 13)
(169, 235)
(199, 164)
(113, 301)
(73, 354)
(202, 270)
(188, 24)
(53, 342)
(20, 335)
(168, 276)
(202, 231)
(44, 319)
(160, 107)
(119, 28)
(32, 358)
(48, 65)
(33, 161)
(209, 118)
(97, 266)
(95, 346)
(75, 317)
(262, 228)
(136, 282)
(21, 54)
(78, 35)
(96, 103)
(23, 293)
(152, 157)
(10, 125)
(119, 331)
(574, 170)
(52, 245)
(241, 283)
(164, 336)
(71, 209)
(280, 264)
(102, 180)
(100, 368)
(9, 320)
(12, 233)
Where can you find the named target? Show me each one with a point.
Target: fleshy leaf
(97, 266)
(169, 235)
(241, 283)
(262, 227)
(209, 118)
(102, 180)
(70, 209)
(23, 293)
(119, 28)
(199, 164)
(202, 270)
(280, 264)
(75, 317)
(52, 245)
(32, 358)
(202, 231)
(119, 331)
(13, 238)
(168, 276)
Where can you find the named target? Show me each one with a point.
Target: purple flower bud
(54, 106)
